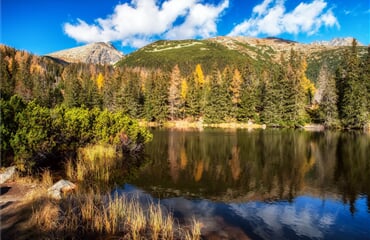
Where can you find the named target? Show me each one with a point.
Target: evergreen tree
(366, 80)
(131, 97)
(156, 99)
(249, 99)
(352, 91)
(294, 94)
(273, 97)
(7, 83)
(72, 87)
(193, 106)
(197, 93)
(218, 99)
(328, 99)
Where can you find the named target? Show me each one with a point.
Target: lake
(260, 184)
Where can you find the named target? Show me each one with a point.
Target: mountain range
(106, 53)
(213, 52)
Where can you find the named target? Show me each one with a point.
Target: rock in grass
(61, 187)
(8, 174)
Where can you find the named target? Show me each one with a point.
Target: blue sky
(44, 26)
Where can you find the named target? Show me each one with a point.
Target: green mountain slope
(233, 51)
(188, 53)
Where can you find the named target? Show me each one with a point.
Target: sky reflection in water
(305, 218)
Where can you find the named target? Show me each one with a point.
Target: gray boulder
(61, 187)
(8, 174)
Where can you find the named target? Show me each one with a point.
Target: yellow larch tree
(308, 86)
(199, 76)
(184, 89)
(100, 81)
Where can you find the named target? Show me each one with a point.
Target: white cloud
(201, 21)
(140, 21)
(271, 18)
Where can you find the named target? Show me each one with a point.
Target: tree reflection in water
(263, 184)
(259, 165)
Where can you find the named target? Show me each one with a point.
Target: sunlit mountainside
(221, 51)
(98, 53)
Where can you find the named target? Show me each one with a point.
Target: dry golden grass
(21, 178)
(98, 214)
(88, 212)
(155, 220)
(46, 179)
(94, 162)
(70, 170)
(45, 215)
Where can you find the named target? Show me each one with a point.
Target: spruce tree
(218, 98)
(156, 97)
(366, 80)
(352, 89)
(328, 98)
(249, 100)
(193, 107)
(273, 97)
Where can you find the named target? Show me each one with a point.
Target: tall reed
(94, 163)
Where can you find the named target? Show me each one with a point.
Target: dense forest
(49, 105)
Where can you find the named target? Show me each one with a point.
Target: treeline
(277, 95)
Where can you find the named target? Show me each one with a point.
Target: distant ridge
(337, 42)
(281, 40)
(97, 53)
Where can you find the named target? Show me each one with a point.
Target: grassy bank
(90, 212)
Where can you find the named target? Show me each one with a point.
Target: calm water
(263, 184)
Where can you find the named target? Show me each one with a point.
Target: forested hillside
(48, 104)
(201, 80)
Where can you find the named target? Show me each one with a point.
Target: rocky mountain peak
(97, 53)
(337, 42)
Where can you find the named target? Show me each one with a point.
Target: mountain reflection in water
(271, 184)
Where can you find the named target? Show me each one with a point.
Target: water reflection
(265, 165)
(304, 218)
(271, 184)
